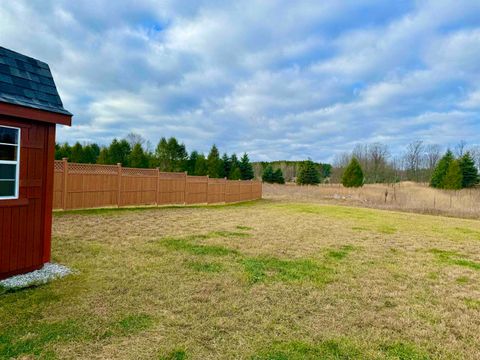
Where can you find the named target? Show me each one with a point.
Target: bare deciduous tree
(413, 159)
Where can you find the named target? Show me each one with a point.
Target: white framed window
(9, 162)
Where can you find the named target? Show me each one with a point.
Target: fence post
(119, 190)
(208, 182)
(251, 189)
(185, 189)
(65, 188)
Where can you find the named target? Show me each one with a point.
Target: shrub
(353, 175)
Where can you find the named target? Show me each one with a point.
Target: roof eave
(35, 114)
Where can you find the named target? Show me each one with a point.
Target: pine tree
(278, 177)
(453, 177)
(308, 174)
(440, 170)
(234, 164)
(227, 165)
(191, 163)
(103, 156)
(76, 154)
(246, 168)
(214, 163)
(469, 171)
(118, 152)
(137, 158)
(236, 174)
(267, 175)
(201, 167)
(353, 174)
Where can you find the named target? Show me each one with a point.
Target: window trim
(16, 162)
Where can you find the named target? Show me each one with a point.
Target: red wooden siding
(25, 224)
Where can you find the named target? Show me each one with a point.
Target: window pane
(8, 136)
(7, 188)
(7, 172)
(8, 152)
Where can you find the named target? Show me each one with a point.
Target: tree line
(449, 172)
(169, 155)
(416, 163)
(290, 170)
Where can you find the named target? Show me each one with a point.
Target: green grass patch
(472, 303)
(266, 269)
(36, 339)
(174, 355)
(326, 350)
(186, 245)
(339, 254)
(387, 229)
(454, 258)
(241, 227)
(404, 351)
(462, 280)
(207, 267)
(133, 323)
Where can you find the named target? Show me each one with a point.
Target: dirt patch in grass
(222, 282)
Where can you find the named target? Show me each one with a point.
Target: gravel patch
(46, 274)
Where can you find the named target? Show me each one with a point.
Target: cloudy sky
(278, 79)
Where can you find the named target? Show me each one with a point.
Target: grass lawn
(263, 280)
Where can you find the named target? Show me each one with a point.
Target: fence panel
(81, 186)
(196, 191)
(138, 187)
(171, 188)
(216, 190)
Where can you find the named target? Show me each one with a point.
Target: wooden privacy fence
(81, 186)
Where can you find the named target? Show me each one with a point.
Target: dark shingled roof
(28, 82)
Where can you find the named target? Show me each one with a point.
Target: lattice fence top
(92, 169)
(139, 172)
(58, 166)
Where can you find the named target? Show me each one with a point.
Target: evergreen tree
(278, 177)
(246, 169)
(469, 171)
(227, 165)
(236, 173)
(118, 152)
(214, 163)
(162, 155)
(103, 156)
(201, 168)
(353, 175)
(62, 151)
(177, 154)
(76, 154)
(90, 153)
(191, 163)
(437, 180)
(308, 174)
(453, 177)
(267, 175)
(137, 158)
(234, 165)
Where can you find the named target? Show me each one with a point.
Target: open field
(404, 196)
(262, 280)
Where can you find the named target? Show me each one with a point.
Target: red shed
(30, 108)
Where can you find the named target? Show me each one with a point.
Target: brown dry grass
(404, 196)
(260, 280)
